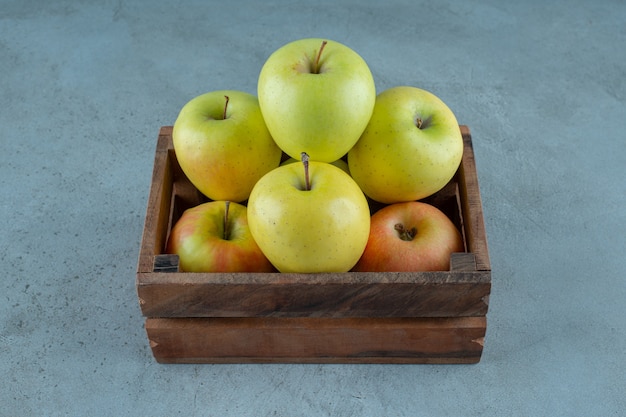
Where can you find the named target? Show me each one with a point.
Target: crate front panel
(317, 340)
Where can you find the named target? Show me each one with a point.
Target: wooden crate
(418, 317)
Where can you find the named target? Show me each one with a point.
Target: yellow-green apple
(410, 149)
(316, 97)
(339, 163)
(309, 217)
(215, 237)
(410, 236)
(223, 145)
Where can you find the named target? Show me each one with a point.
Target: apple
(316, 97)
(223, 145)
(309, 217)
(411, 148)
(410, 236)
(215, 237)
(339, 163)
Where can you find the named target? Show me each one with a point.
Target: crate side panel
(156, 223)
(313, 340)
(472, 205)
(321, 298)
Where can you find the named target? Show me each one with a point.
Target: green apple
(339, 163)
(411, 148)
(215, 237)
(316, 97)
(309, 217)
(410, 236)
(223, 145)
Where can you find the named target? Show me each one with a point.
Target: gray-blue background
(85, 86)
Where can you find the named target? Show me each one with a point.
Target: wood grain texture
(471, 204)
(316, 340)
(442, 294)
(159, 202)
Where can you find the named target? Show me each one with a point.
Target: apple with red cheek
(410, 237)
(215, 237)
(223, 145)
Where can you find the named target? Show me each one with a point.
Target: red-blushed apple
(215, 237)
(223, 145)
(410, 236)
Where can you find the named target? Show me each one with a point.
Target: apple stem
(225, 107)
(423, 123)
(316, 67)
(305, 162)
(405, 234)
(226, 207)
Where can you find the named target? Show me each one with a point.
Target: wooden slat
(316, 340)
(472, 208)
(159, 199)
(363, 294)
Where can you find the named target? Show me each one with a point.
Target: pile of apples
(291, 173)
